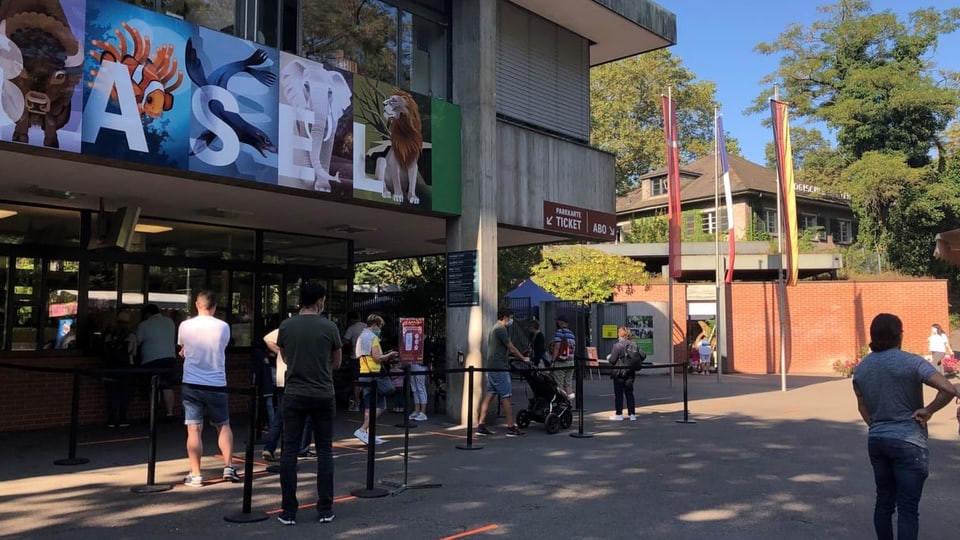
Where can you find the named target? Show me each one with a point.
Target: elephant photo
(321, 98)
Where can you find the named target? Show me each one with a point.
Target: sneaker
(325, 517)
(378, 440)
(616, 417)
(421, 417)
(362, 435)
(514, 431)
(306, 455)
(193, 481)
(633, 418)
(353, 408)
(229, 473)
(414, 415)
(483, 430)
(123, 424)
(571, 396)
(286, 520)
(268, 455)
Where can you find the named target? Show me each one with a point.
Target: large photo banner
(392, 148)
(234, 106)
(41, 69)
(109, 79)
(316, 127)
(136, 93)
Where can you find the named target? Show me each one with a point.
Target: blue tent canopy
(529, 289)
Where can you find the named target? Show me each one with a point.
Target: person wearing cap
(564, 343)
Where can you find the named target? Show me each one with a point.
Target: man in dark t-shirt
(311, 346)
(499, 348)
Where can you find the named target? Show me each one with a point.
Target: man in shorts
(203, 340)
(498, 382)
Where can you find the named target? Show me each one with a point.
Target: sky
(715, 40)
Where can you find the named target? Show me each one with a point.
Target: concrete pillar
(474, 29)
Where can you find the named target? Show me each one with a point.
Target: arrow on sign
(550, 220)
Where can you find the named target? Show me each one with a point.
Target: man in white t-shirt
(203, 340)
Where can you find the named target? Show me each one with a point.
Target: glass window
(219, 283)
(355, 36)
(268, 22)
(658, 186)
(770, 220)
(709, 223)
(60, 326)
(131, 299)
(149, 4)
(241, 309)
(26, 295)
(270, 301)
(177, 239)
(280, 248)
(172, 289)
(28, 225)
(4, 274)
(101, 302)
(217, 14)
(423, 59)
(844, 233)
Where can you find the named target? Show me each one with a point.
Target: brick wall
(827, 320)
(40, 400)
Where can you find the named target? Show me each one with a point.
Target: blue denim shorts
(195, 401)
(499, 383)
(381, 399)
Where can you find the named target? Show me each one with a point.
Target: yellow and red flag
(788, 197)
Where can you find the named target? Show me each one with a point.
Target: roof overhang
(616, 28)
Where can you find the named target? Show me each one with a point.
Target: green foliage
(649, 230)
(627, 119)
(803, 142)
(868, 77)
(581, 274)
(513, 266)
(422, 281)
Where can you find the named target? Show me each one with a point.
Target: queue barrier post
(579, 434)
(469, 445)
(151, 486)
(405, 422)
(72, 458)
(245, 515)
(686, 407)
(403, 485)
(369, 491)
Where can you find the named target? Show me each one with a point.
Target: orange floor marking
(312, 505)
(471, 532)
(108, 441)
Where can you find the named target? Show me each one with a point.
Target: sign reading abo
(578, 221)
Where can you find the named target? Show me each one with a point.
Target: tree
(513, 266)
(585, 275)
(627, 120)
(868, 77)
(803, 141)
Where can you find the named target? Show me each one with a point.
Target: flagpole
(781, 284)
(670, 128)
(716, 238)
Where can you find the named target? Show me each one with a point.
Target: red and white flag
(673, 183)
(728, 200)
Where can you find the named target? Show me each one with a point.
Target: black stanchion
(150, 486)
(686, 408)
(369, 491)
(578, 365)
(469, 445)
(405, 423)
(245, 515)
(403, 486)
(72, 458)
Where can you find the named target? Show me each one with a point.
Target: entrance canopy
(948, 247)
(529, 289)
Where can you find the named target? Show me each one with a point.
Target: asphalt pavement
(753, 463)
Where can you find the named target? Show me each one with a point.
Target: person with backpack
(624, 353)
(564, 344)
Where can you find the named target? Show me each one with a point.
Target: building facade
(825, 218)
(151, 148)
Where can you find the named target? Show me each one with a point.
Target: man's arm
(861, 406)
(945, 394)
(335, 358)
(516, 352)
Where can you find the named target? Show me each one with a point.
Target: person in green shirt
(498, 382)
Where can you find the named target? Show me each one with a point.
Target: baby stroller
(549, 405)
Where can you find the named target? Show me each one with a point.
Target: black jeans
(296, 410)
(118, 397)
(623, 386)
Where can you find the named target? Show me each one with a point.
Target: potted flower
(846, 367)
